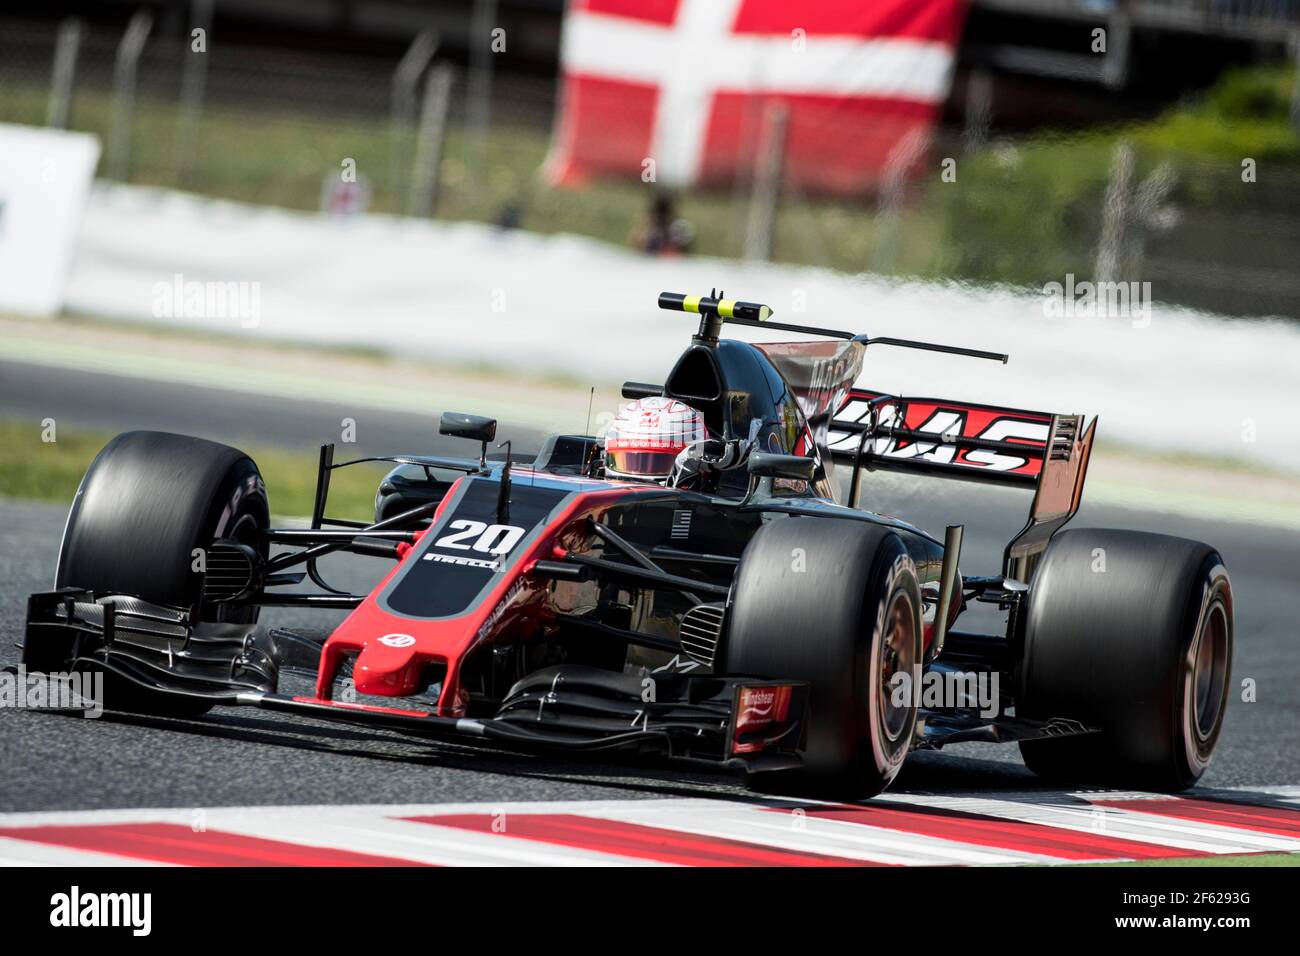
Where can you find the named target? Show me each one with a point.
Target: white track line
(1109, 821)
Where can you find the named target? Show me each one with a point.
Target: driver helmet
(647, 435)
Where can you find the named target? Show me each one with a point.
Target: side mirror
(473, 427)
(764, 464)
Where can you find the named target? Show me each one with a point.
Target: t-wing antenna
(714, 310)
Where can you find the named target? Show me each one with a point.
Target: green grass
(51, 471)
(1232, 860)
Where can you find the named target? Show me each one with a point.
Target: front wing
(150, 652)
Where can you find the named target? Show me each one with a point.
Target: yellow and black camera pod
(715, 310)
(708, 305)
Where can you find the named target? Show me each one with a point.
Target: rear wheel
(1131, 633)
(837, 604)
(148, 501)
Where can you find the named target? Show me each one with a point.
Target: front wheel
(1131, 633)
(834, 603)
(149, 502)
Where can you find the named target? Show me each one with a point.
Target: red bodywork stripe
(998, 833)
(636, 840)
(1278, 821)
(173, 843)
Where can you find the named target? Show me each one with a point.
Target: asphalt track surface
(243, 757)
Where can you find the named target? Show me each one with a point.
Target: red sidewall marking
(173, 843)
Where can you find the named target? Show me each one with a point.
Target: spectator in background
(509, 216)
(664, 233)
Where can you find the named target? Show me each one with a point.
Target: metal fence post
(979, 108)
(1115, 215)
(767, 184)
(907, 152)
(194, 78)
(402, 109)
(124, 75)
(1114, 68)
(429, 141)
(1295, 92)
(480, 85)
(65, 69)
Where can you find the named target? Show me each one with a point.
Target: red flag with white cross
(680, 91)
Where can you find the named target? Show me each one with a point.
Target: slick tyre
(834, 603)
(1130, 633)
(147, 502)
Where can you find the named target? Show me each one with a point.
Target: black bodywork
(635, 585)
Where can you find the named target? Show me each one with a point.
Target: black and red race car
(742, 618)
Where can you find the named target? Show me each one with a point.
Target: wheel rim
(1209, 671)
(897, 655)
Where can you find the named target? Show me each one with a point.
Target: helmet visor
(641, 463)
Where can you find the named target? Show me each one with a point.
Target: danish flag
(681, 88)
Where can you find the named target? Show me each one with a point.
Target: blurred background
(1036, 119)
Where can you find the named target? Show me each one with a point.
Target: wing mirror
(764, 464)
(474, 427)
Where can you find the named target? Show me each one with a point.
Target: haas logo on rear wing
(981, 442)
(960, 439)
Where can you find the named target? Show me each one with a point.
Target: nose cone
(389, 666)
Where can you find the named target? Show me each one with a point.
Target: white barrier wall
(45, 175)
(1172, 380)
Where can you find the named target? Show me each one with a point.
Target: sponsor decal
(677, 664)
(946, 422)
(499, 611)
(759, 706)
(467, 562)
(397, 640)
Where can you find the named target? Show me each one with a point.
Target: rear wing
(939, 437)
(964, 440)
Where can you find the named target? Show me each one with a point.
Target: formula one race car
(717, 606)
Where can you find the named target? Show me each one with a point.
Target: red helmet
(648, 434)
